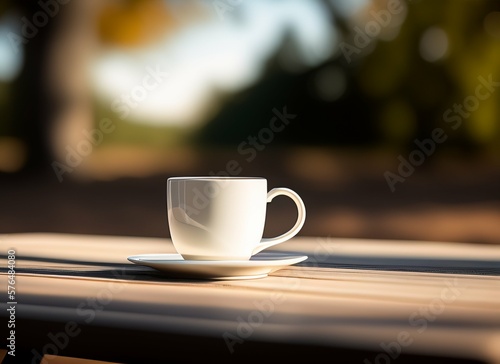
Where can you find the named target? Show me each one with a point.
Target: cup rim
(215, 178)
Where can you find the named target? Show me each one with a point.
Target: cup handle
(301, 218)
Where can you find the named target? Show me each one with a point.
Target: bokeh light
(11, 56)
(433, 44)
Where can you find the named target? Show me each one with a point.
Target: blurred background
(382, 114)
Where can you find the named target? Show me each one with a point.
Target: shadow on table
(81, 268)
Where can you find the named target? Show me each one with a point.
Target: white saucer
(258, 266)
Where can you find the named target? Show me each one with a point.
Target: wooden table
(360, 301)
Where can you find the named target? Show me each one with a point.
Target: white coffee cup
(222, 218)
